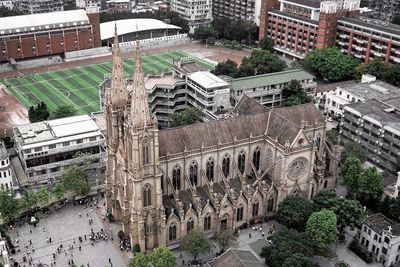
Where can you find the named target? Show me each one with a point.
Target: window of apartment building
(93, 138)
(79, 141)
(384, 250)
(340, 92)
(365, 229)
(386, 240)
(52, 146)
(374, 135)
(65, 143)
(37, 149)
(56, 169)
(27, 151)
(397, 258)
(369, 231)
(362, 240)
(42, 172)
(398, 249)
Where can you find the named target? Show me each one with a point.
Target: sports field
(79, 86)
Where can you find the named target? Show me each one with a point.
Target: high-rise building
(237, 10)
(39, 6)
(197, 13)
(384, 10)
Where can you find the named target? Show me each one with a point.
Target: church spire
(140, 114)
(119, 92)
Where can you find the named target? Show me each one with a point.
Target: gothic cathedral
(222, 174)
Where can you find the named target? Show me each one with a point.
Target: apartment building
(196, 12)
(369, 39)
(266, 89)
(46, 148)
(118, 6)
(384, 10)
(374, 124)
(7, 4)
(381, 236)
(6, 170)
(39, 6)
(237, 10)
(368, 88)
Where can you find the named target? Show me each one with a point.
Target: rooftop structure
(197, 13)
(7, 177)
(39, 6)
(236, 258)
(207, 80)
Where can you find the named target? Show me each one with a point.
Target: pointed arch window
(210, 170)
(270, 204)
(207, 222)
(146, 156)
(241, 162)
(146, 195)
(176, 178)
(256, 158)
(239, 213)
(255, 209)
(225, 165)
(189, 225)
(193, 173)
(172, 232)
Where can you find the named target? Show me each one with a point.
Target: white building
(7, 4)
(46, 148)
(381, 236)
(6, 172)
(197, 13)
(369, 88)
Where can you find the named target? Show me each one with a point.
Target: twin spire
(140, 114)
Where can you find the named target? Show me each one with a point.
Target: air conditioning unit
(358, 123)
(360, 133)
(382, 135)
(341, 123)
(376, 141)
(381, 130)
(380, 144)
(356, 131)
(362, 125)
(377, 161)
(379, 152)
(340, 131)
(359, 141)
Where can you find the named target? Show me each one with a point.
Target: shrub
(360, 251)
(121, 234)
(136, 248)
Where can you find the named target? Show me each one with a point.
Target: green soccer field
(79, 86)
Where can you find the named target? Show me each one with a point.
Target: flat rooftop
(207, 80)
(269, 79)
(369, 24)
(165, 79)
(316, 4)
(379, 223)
(294, 17)
(54, 129)
(43, 21)
(373, 90)
(381, 111)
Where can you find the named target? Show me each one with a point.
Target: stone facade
(162, 183)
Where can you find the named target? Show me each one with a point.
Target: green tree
(294, 94)
(186, 117)
(75, 176)
(370, 186)
(392, 74)
(43, 196)
(228, 68)
(196, 243)
(375, 67)
(267, 44)
(5, 12)
(64, 111)
(331, 64)
(285, 244)
(204, 33)
(265, 62)
(225, 239)
(396, 20)
(162, 257)
(38, 113)
(299, 260)
(58, 191)
(351, 173)
(246, 69)
(390, 207)
(321, 227)
(139, 260)
(9, 206)
(30, 200)
(352, 149)
(324, 199)
(294, 211)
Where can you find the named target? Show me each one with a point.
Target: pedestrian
(69, 262)
(88, 264)
(85, 237)
(72, 261)
(109, 260)
(80, 215)
(249, 235)
(263, 234)
(30, 230)
(80, 248)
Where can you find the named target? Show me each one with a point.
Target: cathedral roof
(246, 106)
(283, 125)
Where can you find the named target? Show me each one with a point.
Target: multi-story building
(368, 39)
(266, 89)
(46, 148)
(6, 171)
(237, 10)
(119, 6)
(48, 34)
(384, 10)
(197, 13)
(39, 6)
(381, 236)
(7, 4)
(368, 88)
(374, 124)
(88, 3)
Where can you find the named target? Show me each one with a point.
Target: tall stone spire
(140, 114)
(119, 92)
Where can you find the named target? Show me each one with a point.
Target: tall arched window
(210, 170)
(225, 165)
(256, 158)
(193, 173)
(146, 195)
(241, 162)
(146, 159)
(172, 232)
(239, 213)
(207, 222)
(176, 178)
(189, 225)
(255, 209)
(270, 204)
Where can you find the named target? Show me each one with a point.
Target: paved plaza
(64, 227)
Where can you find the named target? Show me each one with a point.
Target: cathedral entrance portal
(225, 221)
(117, 211)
